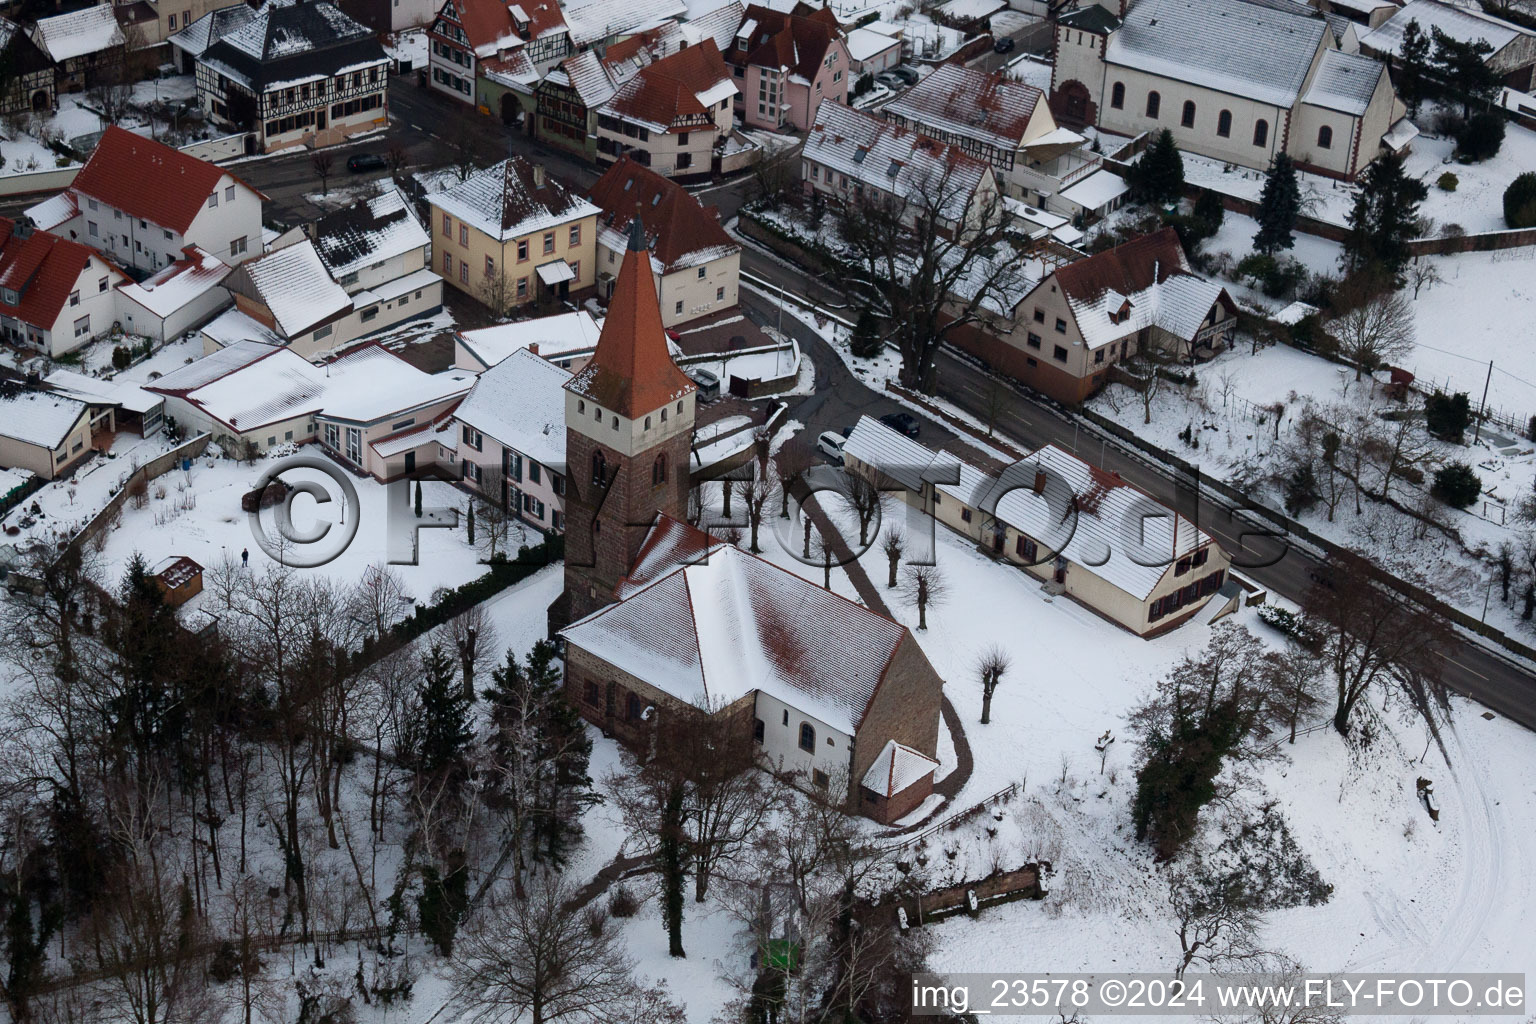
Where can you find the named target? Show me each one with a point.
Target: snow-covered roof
(88, 30)
(296, 287)
(1228, 45)
(557, 335)
(54, 211)
(184, 281)
(971, 10)
(1142, 283)
(896, 768)
(1097, 190)
(1344, 82)
(521, 403)
(212, 366)
(41, 418)
(961, 102)
(592, 21)
(1294, 314)
(364, 385)
(1400, 134)
(714, 631)
(1087, 515)
(865, 43)
(232, 327)
(510, 199)
(98, 391)
(893, 160)
(210, 28)
(439, 431)
(668, 545)
(1459, 23)
(362, 234)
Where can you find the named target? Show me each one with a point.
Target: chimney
(1039, 480)
(23, 228)
(533, 347)
(538, 175)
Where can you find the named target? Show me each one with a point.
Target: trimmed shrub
(1447, 416)
(1447, 182)
(1520, 201)
(1481, 137)
(1456, 485)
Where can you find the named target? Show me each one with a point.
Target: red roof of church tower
(632, 372)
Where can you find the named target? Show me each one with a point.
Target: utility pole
(1477, 434)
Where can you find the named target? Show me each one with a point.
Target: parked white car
(831, 445)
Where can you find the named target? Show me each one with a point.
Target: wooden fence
(157, 466)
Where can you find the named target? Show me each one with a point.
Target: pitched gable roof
(1344, 82)
(795, 42)
(892, 159)
(35, 417)
(718, 628)
(297, 289)
(680, 232)
(88, 30)
(512, 198)
(494, 25)
(1197, 41)
(149, 180)
(521, 403)
(1127, 268)
(632, 372)
(690, 83)
(42, 269)
(962, 102)
(368, 232)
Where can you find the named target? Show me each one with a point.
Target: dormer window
(9, 296)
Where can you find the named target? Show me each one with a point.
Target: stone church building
(660, 619)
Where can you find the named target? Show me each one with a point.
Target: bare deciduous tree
(922, 586)
(1375, 330)
(931, 262)
(990, 669)
(893, 546)
(1372, 636)
(789, 465)
(321, 163)
(1295, 673)
(472, 633)
(531, 958)
(864, 499)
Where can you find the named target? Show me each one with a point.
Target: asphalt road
(1470, 668)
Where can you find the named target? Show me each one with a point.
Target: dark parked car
(903, 422)
(366, 162)
(906, 74)
(1003, 45)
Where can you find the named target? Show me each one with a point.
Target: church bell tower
(629, 419)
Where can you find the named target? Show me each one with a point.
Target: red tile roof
(1126, 268)
(675, 223)
(667, 90)
(491, 23)
(148, 179)
(44, 269)
(797, 41)
(632, 372)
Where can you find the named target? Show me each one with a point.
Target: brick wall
(604, 529)
(905, 708)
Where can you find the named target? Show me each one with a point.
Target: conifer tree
(1414, 83)
(1158, 177)
(1279, 206)
(442, 733)
(1384, 217)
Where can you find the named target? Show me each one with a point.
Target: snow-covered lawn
(1476, 205)
(216, 528)
(1408, 893)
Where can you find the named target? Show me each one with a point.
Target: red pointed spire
(632, 372)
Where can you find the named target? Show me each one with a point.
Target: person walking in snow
(245, 558)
